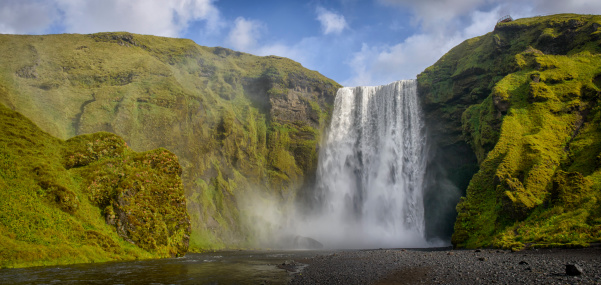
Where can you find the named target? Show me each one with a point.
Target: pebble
(543, 266)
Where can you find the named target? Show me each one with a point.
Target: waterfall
(371, 169)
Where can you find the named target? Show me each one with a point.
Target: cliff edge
(522, 103)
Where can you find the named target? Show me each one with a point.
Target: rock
(535, 77)
(288, 265)
(573, 270)
(288, 262)
(523, 263)
(501, 103)
(301, 242)
(482, 258)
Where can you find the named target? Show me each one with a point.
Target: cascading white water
(371, 170)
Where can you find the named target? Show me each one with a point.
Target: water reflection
(224, 267)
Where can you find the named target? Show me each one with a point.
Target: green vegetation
(528, 94)
(88, 199)
(236, 121)
(516, 110)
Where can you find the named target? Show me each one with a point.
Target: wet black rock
(288, 265)
(573, 270)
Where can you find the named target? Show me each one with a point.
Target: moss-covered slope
(88, 199)
(235, 121)
(525, 97)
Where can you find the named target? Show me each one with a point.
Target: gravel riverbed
(446, 266)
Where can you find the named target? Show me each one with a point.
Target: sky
(354, 42)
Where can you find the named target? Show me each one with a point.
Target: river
(221, 267)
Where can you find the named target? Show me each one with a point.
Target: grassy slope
(235, 121)
(528, 94)
(54, 198)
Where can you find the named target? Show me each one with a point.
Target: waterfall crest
(371, 169)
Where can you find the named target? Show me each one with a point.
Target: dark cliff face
(235, 121)
(517, 107)
(88, 199)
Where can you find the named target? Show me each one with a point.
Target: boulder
(301, 242)
(573, 270)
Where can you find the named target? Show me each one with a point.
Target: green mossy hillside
(237, 122)
(526, 99)
(87, 199)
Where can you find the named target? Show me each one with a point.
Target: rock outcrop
(88, 199)
(523, 103)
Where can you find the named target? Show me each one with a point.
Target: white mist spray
(371, 170)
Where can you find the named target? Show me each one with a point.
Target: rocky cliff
(519, 109)
(237, 122)
(88, 199)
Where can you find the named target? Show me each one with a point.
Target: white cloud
(439, 30)
(561, 6)
(376, 65)
(360, 63)
(26, 16)
(245, 34)
(383, 64)
(194, 10)
(480, 23)
(433, 13)
(521, 9)
(331, 23)
(156, 17)
(282, 50)
(306, 51)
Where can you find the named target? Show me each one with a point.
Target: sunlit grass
(535, 135)
(50, 215)
(212, 107)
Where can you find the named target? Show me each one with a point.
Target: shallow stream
(222, 267)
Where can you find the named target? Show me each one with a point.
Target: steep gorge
(511, 118)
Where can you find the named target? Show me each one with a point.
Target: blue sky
(351, 41)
